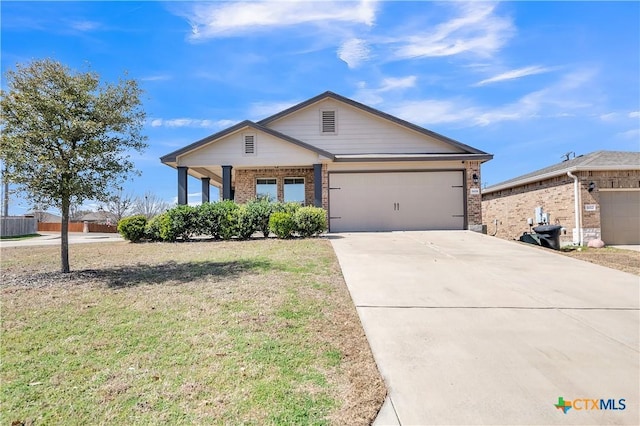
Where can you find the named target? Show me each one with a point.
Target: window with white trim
(249, 143)
(294, 190)
(267, 188)
(328, 121)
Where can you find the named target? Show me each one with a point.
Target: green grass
(257, 332)
(19, 237)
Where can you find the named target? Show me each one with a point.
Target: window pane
(267, 188)
(294, 190)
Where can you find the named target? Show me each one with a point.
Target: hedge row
(225, 220)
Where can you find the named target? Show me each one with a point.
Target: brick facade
(474, 201)
(512, 206)
(245, 182)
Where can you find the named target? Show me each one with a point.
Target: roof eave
(536, 178)
(444, 157)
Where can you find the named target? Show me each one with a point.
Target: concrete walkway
(471, 329)
(53, 239)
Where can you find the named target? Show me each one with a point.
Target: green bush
(132, 228)
(219, 219)
(181, 222)
(289, 207)
(153, 229)
(282, 224)
(246, 224)
(310, 221)
(260, 211)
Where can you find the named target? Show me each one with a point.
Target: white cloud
(558, 100)
(634, 114)
(372, 96)
(609, 116)
(85, 25)
(212, 20)
(354, 52)
(514, 74)
(392, 83)
(192, 122)
(630, 134)
(476, 29)
(433, 111)
(158, 77)
(260, 110)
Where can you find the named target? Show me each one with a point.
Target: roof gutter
(577, 236)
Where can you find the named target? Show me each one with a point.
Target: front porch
(298, 184)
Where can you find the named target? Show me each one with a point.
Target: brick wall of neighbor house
(474, 202)
(245, 182)
(511, 207)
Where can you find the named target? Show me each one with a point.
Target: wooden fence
(76, 227)
(13, 226)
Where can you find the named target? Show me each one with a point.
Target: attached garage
(396, 201)
(620, 216)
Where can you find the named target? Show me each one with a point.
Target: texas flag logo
(563, 405)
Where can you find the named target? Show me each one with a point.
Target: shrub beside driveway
(260, 331)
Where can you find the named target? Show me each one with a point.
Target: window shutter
(249, 144)
(328, 121)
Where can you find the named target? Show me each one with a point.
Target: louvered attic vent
(328, 121)
(249, 144)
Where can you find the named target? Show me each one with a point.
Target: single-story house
(44, 217)
(370, 170)
(101, 217)
(593, 196)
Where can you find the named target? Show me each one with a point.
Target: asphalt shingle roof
(597, 160)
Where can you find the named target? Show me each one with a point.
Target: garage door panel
(392, 201)
(620, 217)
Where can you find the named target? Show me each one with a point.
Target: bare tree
(150, 205)
(119, 205)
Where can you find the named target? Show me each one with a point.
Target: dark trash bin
(549, 236)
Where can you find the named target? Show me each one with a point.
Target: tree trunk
(64, 236)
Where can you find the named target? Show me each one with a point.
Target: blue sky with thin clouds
(525, 81)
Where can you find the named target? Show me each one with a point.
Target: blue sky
(525, 81)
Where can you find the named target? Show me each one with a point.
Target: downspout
(576, 195)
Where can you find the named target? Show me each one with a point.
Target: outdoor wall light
(592, 186)
(475, 177)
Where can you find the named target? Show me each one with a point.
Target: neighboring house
(607, 185)
(371, 171)
(101, 217)
(45, 217)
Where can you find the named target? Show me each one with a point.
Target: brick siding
(474, 202)
(511, 207)
(245, 182)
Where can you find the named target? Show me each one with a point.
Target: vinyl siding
(270, 151)
(357, 132)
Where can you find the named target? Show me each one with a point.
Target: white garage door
(396, 201)
(620, 217)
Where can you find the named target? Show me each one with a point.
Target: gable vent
(249, 144)
(328, 121)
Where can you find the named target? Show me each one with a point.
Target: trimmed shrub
(246, 224)
(132, 228)
(282, 224)
(310, 221)
(181, 222)
(220, 219)
(153, 229)
(289, 207)
(260, 211)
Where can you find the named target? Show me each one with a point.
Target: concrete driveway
(53, 239)
(471, 329)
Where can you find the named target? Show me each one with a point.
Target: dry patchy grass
(611, 257)
(255, 332)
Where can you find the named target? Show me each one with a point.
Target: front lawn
(253, 332)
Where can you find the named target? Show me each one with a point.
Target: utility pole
(5, 192)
